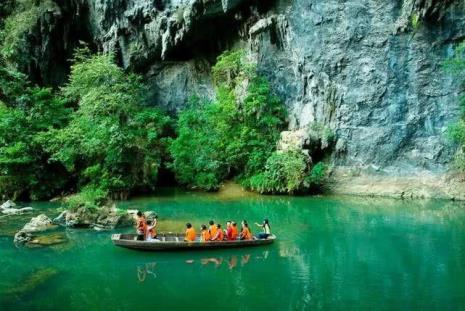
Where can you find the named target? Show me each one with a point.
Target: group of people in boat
(214, 232)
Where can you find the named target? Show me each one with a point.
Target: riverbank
(423, 185)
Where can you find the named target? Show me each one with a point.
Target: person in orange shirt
(205, 234)
(234, 233)
(245, 231)
(190, 233)
(212, 228)
(219, 236)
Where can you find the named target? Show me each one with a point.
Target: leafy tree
(25, 113)
(285, 172)
(112, 143)
(232, 136)
(289, 172)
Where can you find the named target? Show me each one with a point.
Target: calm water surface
(335, 253)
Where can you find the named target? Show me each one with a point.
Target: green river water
(338, 253)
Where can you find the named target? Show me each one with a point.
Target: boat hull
(174, 242)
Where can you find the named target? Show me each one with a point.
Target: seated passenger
(228, 230)
(234, 232)
(141, 226)
(245, 231)
(152, 229)
(190, 233)
(266, 229)
(212, 228)
(205, 234)
(219, 236)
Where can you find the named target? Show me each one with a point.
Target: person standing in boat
(219, 236)
(152, 233)
(141, 226)
(266, 229)
(205, 234)
(190, 233)
(246, 234)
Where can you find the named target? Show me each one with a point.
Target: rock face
(104, 218)
(383, 92)
(369, 70)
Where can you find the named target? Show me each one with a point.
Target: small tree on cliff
(456, 66)
(232, 136)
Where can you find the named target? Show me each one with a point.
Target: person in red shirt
(219, 236)
(141, 226)
(228, 230)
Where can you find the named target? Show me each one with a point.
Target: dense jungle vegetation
(96, 138)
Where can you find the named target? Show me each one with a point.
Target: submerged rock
(9, 208)
(47, 240)
(17, 211)
(30, 283)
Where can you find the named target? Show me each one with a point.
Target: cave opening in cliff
(210, 37)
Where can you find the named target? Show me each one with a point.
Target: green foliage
(456, 132)
(6, 7)
(289, 172)
(88, 197)
(321, 134)
(317, 177)
(23, 19)
(229, 137)
(12, 86)
(112, 143)
(285, 172)
(25, 114)
(415, 21)
(231, 68)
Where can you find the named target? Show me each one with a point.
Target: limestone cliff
(368, 69)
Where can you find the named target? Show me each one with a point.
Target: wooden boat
(173, 241)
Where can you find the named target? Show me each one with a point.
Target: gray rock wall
(358, 67)
(368, 69)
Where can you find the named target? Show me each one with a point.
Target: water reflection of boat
(175, 242)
